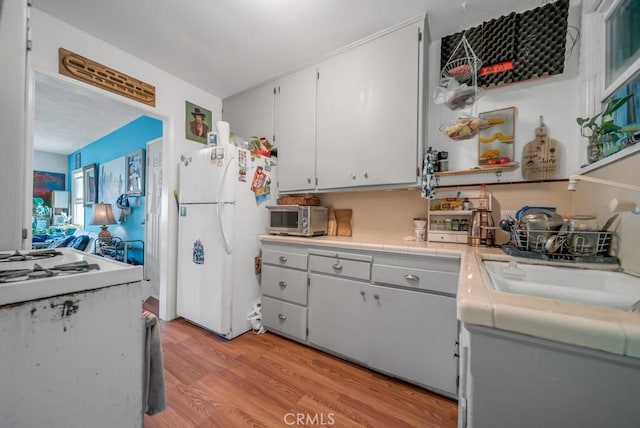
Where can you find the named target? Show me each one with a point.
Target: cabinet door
(339, 112)
(338, 316)
(251, 113)
(413, 336)
(367, 113)
(296, 131)
(389, 130)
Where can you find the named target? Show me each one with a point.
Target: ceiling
(226, 46)
(83, 117)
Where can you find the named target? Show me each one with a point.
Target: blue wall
(131, 137)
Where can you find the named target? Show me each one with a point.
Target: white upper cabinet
(295, 133)
(251, 113)
(368, 113)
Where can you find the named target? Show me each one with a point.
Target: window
(77, 197)
(622, 57)
(630, 113)
(622, 39)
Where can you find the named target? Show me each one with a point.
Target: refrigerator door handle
(225, 243)
(223, 180)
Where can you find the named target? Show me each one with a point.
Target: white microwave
(297, 220)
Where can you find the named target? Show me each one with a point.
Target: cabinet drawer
(439, 263)
(283, 258)
(284, 317)
(285, 284)
(460, 238)
(340, 267)
(418, 279)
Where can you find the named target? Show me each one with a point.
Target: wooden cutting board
(540, 157)
(343, 220)
(332, 224)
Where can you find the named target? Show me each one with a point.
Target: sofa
(82, 240)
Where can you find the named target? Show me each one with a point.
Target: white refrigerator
(222, 198)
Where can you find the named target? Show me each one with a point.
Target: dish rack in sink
(582, 246)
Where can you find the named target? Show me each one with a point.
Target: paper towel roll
(223, 132)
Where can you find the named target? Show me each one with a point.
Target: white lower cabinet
(413, 336)
(511, 379)
(394, 313)
(338, 319)
(284, 317)
(284, 290)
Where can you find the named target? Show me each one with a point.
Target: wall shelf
(479, 170)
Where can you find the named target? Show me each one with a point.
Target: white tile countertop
(110, 273)
(596, 327)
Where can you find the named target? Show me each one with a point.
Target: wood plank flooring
(268, 381)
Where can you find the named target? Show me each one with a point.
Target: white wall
(50, 162)
(556, 98)
(13, 15)
(49, 34)
(593, 199)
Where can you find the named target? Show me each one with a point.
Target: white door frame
(166, 294)
(152, 267)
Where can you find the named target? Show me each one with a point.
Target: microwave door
(284, 220)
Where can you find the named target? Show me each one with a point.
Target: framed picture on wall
(197, 122)
(90, 183)
(495, 143)
(135, 173)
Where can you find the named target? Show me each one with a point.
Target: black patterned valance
(518, 46)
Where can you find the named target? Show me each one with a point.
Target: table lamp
(103, 215)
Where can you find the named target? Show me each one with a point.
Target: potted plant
(601, 129)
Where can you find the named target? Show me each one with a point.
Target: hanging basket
(464, 128)
(463, 97)
(463, 64)
(462, 69)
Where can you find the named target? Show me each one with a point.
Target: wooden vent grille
(88, 71)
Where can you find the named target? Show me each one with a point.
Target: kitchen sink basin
(588, 286)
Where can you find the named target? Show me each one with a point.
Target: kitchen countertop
(110, 273)
(596, 327)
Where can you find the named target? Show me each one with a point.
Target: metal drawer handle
(337, 266)
(283, 259)
(362, 293)
(282, 284)
(411, 277)
(282, 317)
(375, 296)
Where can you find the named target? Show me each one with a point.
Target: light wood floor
(268, 381)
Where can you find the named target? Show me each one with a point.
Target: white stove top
(29, 276)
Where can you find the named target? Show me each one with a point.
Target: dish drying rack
(578, 247)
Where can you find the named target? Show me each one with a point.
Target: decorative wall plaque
(88, 71)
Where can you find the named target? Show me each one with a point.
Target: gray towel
(154, 399)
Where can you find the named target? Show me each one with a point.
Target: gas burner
(14, 275)
(32, 255)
